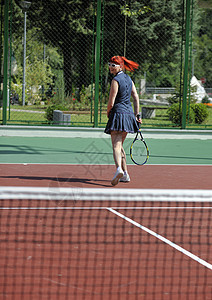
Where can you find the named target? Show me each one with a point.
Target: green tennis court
(94, 147)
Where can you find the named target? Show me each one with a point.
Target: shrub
(197, 113)
(175, 114)
(206, 99)
(50, 109)
(173, 99)
(200, 111)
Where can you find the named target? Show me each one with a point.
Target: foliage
(50, 109)
(200, 111)
(68, 26)
(85, 96)
(16, 88)
(174, 112)
(173, 99)
(153, 35)
(39, 71)
(206, 99)
(64, 31)
(197, 113)
(126, 11)
(203, 47)
(203, 58)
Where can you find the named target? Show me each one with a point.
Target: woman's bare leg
(123, 155)
(116, 138)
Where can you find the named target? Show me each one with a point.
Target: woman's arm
(112, 96)
(136, 102)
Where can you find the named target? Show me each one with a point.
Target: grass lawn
(36, 116)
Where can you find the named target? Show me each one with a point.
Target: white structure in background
(200, 92)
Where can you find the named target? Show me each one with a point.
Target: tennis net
(61, 243)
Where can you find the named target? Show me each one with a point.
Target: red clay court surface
(97, 176)
(77, 253)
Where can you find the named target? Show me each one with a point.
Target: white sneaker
(125, 178)
(119, 173)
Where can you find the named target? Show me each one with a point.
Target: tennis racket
(139, 151)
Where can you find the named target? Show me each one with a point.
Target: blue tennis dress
(121, 116)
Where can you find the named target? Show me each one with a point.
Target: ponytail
(125, 63)
(129, 64)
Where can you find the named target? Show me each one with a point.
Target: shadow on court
(66, 181)
(21, 149)
(209, 159)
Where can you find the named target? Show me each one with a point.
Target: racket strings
(139, 152)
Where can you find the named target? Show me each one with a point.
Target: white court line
(163, 239)
(83, 132)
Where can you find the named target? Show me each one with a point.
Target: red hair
(125, 63)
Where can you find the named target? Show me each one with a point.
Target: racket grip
(138, 117)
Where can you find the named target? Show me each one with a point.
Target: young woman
(122, 119)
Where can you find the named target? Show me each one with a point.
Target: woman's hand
(138, 118)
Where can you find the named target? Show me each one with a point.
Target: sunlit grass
(36, 115)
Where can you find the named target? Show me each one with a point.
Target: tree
(68, 26)
(154, 34)
(153, 30)
(38, 70)
(203, 47)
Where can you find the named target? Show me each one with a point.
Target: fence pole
(185, 75)
(5, 74)
(97, 62)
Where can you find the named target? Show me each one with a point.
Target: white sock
(119, 169)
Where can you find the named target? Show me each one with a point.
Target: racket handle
(138, 117)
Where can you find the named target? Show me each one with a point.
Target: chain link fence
(58, 64)
(149, 33)
(59, 69)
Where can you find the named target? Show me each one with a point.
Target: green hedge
(175, 114)
(200, 111)
(197, 113)
(51, 108)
